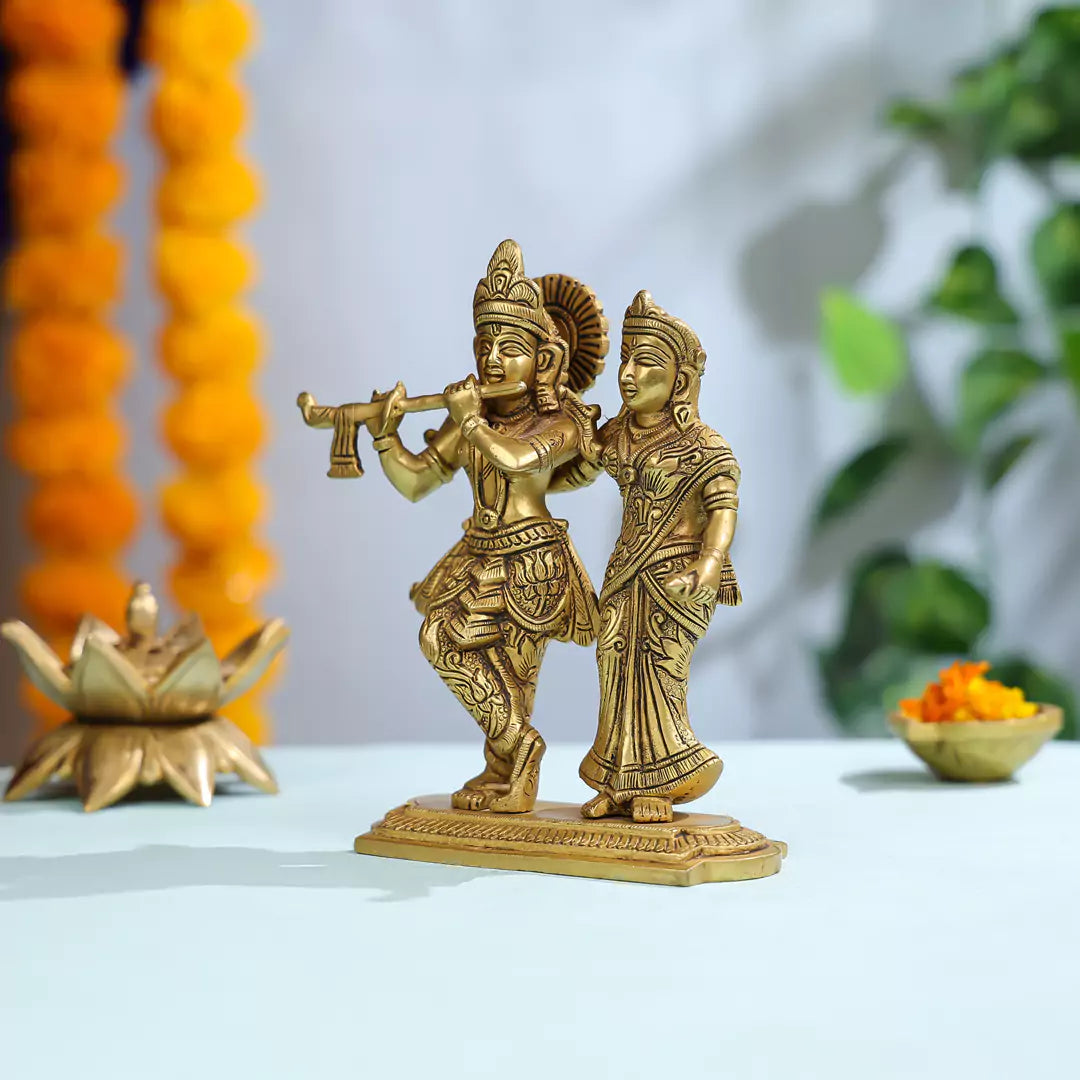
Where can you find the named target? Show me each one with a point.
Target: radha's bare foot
(601, 806)
(650, 808)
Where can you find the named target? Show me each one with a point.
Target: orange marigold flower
(46, 713)
(91, 516)
(56, 189)
(212, 425)
(963, 693)
(71, 274)
(67, 30)
(200, 39)
(249, 716)
(209, 193)
(224, 344)
(64, 365)
(196, 116)
(225, 636)
(222, 585)
(49, 447)
(200, 272)
(78, 108)
(911, 708)
(61, 589)
(212, 510)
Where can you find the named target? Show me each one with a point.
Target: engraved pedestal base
(555, 839)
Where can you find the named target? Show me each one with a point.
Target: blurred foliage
(907, 617)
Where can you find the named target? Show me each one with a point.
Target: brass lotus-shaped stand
(143, 707)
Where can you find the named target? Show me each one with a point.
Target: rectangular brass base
(555, 839)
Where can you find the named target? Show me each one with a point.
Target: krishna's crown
(506, 295)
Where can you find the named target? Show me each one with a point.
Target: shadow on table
(169, 866)
(905, 780)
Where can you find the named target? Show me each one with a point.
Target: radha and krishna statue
(513, 582)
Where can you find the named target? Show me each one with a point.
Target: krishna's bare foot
(520, 794)
(469, 798)
(651, 808)
(489, 778)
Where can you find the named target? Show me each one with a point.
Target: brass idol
(513, 583)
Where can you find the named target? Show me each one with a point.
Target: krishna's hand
(463, 400)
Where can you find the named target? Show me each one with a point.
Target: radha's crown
(645, 316)
(506, 295)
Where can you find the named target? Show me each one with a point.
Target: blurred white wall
(726, 156)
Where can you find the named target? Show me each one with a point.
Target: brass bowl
(978, 750)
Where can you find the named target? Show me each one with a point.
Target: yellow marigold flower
(225, 344)
(79, 108)
(91, 516)
(56, 189)
(200, 39)
(222, 585)
(212, 425)
(992, 701)
(212, 510)
(67, 30)
(64, 365)
(84, 445)
(200, 272)
(208, 193)
(69, 274)
(194, 116)
(61, 589)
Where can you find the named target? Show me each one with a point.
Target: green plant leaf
(992, 381)
(1029, 126)
(914, 117)
(853, 694)
(998, 464)
(856, 479)
(866, 349)
(934, 608)
(861, 703)
(1070, 359)
(986, 88)
(1041, 686)
(1055, 251)
(970, 289)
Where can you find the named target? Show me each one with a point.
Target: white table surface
(917, 930)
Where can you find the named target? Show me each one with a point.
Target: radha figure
(669, 570)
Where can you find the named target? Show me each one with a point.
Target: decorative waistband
(520, 536)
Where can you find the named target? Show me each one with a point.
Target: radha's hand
(698, 582)
(463, 400)
(388, 419)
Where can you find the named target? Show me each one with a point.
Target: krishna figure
(513, 582)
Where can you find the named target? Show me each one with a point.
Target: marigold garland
(209, 344)
(963, 693)
(64, 100)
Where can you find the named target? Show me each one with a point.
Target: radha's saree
(644, 744)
